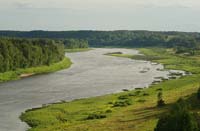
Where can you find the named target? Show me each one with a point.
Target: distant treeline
(24, 53)
(75, 43)
(180, 40)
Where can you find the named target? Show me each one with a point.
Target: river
(92, 74)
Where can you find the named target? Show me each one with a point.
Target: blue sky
(178, 15)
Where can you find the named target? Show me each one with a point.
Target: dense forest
(182, 40)
(75, 43)
(24, 53)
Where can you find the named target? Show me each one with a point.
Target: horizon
(97, 31)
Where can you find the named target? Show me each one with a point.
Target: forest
(75, 43)
(24, 53)
(123, 38)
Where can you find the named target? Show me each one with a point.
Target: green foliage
(145, 94)
(117, 38)
(14, 75)
(160, 101)
(123, 97)
(122, 103)
(95, 116)
(75, 43)
(198, 94)
(123, 100)
(26, 53)
(179, 119)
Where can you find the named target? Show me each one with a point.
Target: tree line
(75, 43)
(117, 38)
(182, 42)
(23, 53)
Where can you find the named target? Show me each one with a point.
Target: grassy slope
(141, 115)
(14, 75)
(77, 50)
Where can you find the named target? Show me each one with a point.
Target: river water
(92, 74)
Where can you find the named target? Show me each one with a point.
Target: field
(127, 111)
(14, 75)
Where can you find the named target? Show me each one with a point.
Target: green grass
(126, 111)
(77, 50)
(14, 75)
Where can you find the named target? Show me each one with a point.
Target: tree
(160, 101)
(178, 119)
(24, 53)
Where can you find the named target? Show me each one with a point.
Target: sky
(60, 15)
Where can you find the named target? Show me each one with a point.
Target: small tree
(160, 101)
(198, 94)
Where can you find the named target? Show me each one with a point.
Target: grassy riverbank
(127, 111)
(77, 50)
(14, 75)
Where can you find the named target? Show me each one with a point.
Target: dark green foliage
(122, 97)
(95, 116)
(179, 119)
(108, 111)
(159, 89)
(132, 94)
(119, 38)
(198, 94)
(24, 53)
(160, 101)
(75, 43)
(145, 94)
(122, 103)
(137, 92)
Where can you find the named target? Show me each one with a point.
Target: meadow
(134, 110)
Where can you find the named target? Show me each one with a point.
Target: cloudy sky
(179, 15)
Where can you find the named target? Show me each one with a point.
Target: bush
(145, 94)
(160, 101)
(123, 97)
(159, 89)
(95, 116)
(122, 103)
(179, 119)
(108, 111)
(137, 93)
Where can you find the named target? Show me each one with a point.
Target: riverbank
(129, 110)
(77, 50)
(21, 73)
